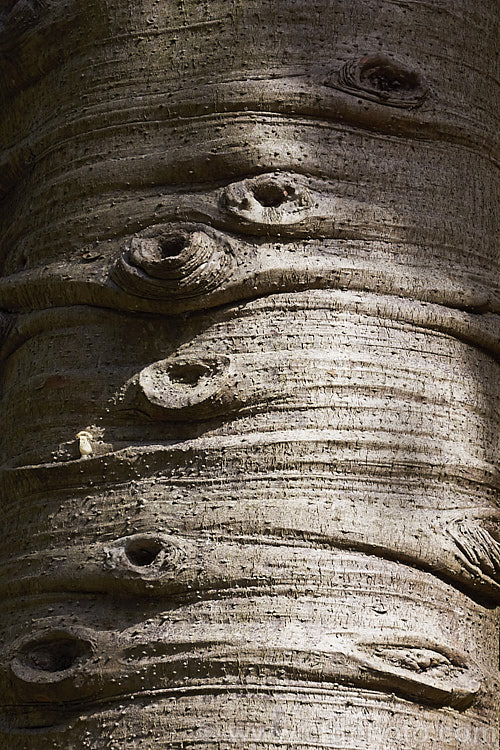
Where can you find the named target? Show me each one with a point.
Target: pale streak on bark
(248, 250)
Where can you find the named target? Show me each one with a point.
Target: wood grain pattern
(248, 253)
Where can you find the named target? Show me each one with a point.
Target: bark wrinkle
(249, 349)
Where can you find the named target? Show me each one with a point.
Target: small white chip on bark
(85, 444)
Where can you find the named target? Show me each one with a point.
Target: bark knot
(185, 260)
(382, 79)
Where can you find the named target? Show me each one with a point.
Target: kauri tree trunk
(250, 403)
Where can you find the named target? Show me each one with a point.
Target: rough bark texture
(250, 401)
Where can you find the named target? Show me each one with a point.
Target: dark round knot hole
(143, 552)
(187, 374)
(271, 195)
(54, 655)
(172, 246)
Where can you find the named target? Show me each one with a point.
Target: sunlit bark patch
(249, 375)
(351, 632)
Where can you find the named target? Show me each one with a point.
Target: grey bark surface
(249, 283)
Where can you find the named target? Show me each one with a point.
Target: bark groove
(249, 345)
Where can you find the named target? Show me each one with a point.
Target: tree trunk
(250, 374)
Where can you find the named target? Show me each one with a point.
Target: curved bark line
(382, 209)
(273, 232)
(212, 354)
(430, 540)
(471, 563)
(250, 407)
(72, 660)
(36, 37)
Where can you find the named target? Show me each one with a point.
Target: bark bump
(174, 261)
(381, 78)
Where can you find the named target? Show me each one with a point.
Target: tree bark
(249, 400)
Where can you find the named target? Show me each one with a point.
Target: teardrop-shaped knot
(144, 556)
(44, 665)
(174, 261)
(266, 202)
(60, 663)
(180, 387)
(382, 79)
(54, 654)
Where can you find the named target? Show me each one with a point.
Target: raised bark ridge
(250, 376)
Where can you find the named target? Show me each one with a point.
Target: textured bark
(250, 403)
